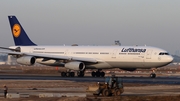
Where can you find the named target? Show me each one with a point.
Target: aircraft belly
(126, 64)
(102, 65)
(140, 65)
(155, 64)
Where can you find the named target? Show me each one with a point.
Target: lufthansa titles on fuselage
(133, 50)
(39, 48)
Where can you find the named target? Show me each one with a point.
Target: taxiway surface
(146, 80)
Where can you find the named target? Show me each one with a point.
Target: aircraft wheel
(93, 74)
(72, 74)
(68, 74)
(97, 74)
(63, 74)
(102, 74)
(153, 75)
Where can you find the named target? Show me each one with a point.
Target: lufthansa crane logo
(16, 30)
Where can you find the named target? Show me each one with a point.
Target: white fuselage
(107, 56)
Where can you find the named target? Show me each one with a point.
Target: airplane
(81, 58)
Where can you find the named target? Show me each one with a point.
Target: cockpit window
(163, 53)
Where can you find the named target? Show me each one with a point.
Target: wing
(54, 57)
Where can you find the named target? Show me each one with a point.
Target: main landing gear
(68, 73)
(98, 73)
(153, 74)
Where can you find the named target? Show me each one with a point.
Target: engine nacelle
(128, 69)
(75, 65)
(26, 60)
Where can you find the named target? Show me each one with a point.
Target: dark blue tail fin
(19, 35)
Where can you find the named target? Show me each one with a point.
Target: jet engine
(75, 66)
(26, 60)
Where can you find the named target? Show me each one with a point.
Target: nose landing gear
(153, 74)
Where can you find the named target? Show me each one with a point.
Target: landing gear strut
(80, 73)
(153, 74)
(98, 73)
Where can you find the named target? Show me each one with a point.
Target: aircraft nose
(169, 59)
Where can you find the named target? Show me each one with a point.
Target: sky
(95, 22)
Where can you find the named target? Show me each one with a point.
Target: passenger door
(148, 54)
(114, 54)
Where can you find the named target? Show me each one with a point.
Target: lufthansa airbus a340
(80, 58)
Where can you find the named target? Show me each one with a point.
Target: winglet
(19, 35)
